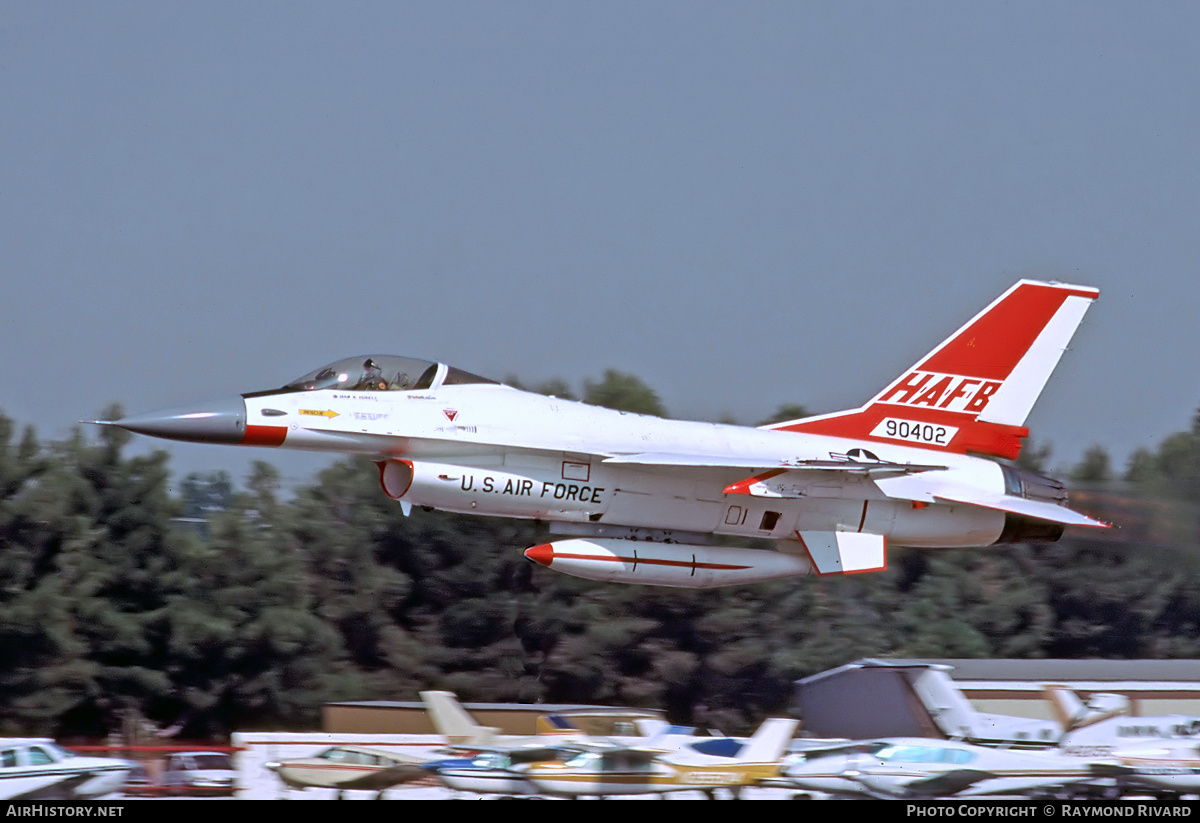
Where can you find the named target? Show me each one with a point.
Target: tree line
(219, 607)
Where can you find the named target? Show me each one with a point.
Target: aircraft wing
(933, 490)
(947, 783)
(726, 461)
(645, 753)
(386, 778)
(524, 752)
(902, 481)
(869, 467)
(787, 478)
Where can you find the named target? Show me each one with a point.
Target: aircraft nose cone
(218, 421)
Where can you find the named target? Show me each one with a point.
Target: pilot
(372, 379)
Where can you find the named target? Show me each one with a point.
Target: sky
(744, 204)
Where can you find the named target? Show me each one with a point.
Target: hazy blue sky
(743, 203)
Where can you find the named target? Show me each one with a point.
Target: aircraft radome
(638, 499)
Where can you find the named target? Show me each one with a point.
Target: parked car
(200, 773)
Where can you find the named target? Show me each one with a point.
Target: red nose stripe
(264, 435)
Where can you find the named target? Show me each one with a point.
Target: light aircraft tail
(974, 391)
(770, 741)
(452, 721)
(1072, 713)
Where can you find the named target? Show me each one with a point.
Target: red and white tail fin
(974, 391)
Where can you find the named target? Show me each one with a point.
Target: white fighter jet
(638, 499)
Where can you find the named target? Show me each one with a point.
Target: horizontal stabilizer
(844, 552)
(1039, 509)
(932, 490)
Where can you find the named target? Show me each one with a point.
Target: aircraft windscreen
(381, 372)
(62, 753)
(924, 754)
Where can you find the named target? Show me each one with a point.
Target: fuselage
(491, 449)
(38, 769)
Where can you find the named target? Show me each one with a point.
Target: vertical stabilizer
(1072, 713)
(452, 721)
(974, 391)
(770, 741)
(939, 694)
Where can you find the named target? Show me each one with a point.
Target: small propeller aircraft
(345, 768)
(921, 768)
(924, 768)
(638, 499)
(487, 763)
(37, 768)
(624, 770)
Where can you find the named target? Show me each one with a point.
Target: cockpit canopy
(383, 372)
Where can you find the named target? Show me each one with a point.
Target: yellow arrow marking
(320, 412)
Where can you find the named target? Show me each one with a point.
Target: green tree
(204, 494)
(245, 646)
(1094, 469)
(108, 570)
(623, 392)
(1034, 456)
(786, 411)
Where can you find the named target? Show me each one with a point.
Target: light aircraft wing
(646, 753)
(525, 753)
(948, 783)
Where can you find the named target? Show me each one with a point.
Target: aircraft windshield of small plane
(924, 754)
(40, 757)
(340, 755)
(491, 760)
(380, 372)
(62, 753)
(583, 760)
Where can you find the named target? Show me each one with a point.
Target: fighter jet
(639, 499)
